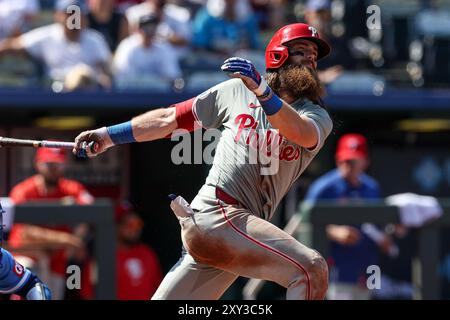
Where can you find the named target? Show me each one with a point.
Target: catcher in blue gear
(14, 278)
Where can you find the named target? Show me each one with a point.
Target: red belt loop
(225, 197)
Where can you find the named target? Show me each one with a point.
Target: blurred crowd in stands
(180, 44)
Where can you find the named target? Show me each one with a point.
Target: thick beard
(296, 81)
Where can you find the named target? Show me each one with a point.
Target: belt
(225, 197)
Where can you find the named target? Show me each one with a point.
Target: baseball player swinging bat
(225, 229)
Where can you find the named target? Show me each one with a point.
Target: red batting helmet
(276, 51)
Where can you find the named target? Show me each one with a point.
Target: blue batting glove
(245, 70)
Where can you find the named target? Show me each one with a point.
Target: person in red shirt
(138, 269)
(49, 184)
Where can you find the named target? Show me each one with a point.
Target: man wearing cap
(353, 248)
(49, 184)
(138, 269)
(143, 54)
(64, 45)
(318, 15)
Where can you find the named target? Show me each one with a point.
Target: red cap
(126, 210)
(55, 155)
(352, 146)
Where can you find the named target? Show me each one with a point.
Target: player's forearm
(153, 125)
(47, 238)
(294, 127)
(10, 46)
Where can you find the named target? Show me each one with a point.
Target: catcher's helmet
(276, 51)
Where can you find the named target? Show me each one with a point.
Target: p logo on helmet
(313, 31)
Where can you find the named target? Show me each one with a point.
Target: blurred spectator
(106, 19)
(62, 46)
(174, 26)
(318, 15)
(433, 28)
(269, 13)
(225, 26)
(142, 55)
(15, 16)
(49, 184)
(138, 269)
(123, 5)
(352, 248)
(433, 20)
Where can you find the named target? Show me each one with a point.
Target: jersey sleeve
(13, 276)
(33, 41)
(209, 109)
(321, 120)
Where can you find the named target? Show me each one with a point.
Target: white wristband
(261, 88)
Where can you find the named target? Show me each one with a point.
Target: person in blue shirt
(16, 279)
(225, 26)
(352, 248)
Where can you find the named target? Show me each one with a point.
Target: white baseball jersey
(252, 181)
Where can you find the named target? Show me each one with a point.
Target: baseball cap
(125, 210)
(122, 209)
(54, 155)
(62, 5)
(352, 146)
(316, 5)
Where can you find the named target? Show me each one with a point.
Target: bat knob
(82, 154)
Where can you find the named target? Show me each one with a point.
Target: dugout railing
(100, 215)
(425, 265)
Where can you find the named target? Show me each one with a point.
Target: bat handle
(82, 153)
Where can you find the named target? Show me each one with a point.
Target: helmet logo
(313, 31)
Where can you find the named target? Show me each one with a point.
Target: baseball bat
(13, 142)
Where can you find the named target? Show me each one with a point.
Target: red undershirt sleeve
(185, 114)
